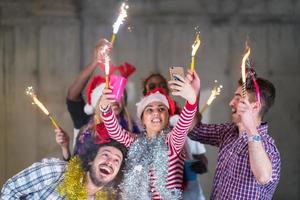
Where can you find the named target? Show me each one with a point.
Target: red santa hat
(156, 95)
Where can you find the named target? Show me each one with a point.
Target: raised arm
(260, 156)
(102, 49)
(111, 123)
(63, 140)
(183, 87)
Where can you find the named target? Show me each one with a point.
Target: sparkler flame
(196, 44)
(121, 18)
(246, 56)
(30, 92)
(216, 91)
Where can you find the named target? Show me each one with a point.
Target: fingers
(176, 87)
(243, 106)
(104, 42)
(108, 95)
(61, 137)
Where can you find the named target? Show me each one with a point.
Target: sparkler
(106, 72)
(30, 92)
(120, 20)
(195, 47)
(246, 56)
(214, 93)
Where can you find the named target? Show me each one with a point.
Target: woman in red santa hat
(154, 166)
(88, 123)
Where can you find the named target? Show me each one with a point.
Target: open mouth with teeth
(106, 170)
(233, 110)
(156, 120)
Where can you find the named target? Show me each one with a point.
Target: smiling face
(155, 118)
(105, 166)
(233, 104)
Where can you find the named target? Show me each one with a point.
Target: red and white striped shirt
(175, 141)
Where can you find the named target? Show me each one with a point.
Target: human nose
(109, 162)
(156, 111)
(232, 102)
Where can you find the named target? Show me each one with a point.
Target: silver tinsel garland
(145, 155)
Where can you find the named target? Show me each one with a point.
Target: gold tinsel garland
(73, 185)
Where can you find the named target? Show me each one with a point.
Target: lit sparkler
(106, 64)
(30, 92)
(195, 47)
(214, 93)
(246, 56)
(120, 20)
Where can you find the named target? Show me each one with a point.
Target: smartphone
(176, 71)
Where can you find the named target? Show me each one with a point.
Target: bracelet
(254, 138)
(104, 110)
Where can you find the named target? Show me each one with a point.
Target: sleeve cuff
(191, 107)
(107, 112)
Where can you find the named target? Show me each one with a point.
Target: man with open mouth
(248, 164)
(93, 174)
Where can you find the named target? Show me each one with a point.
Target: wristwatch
(254, 138)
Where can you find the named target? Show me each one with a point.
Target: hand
(194, 80)
(62, 138)
(107, 99)
(248, 112)
(182, 87)
(102, 50)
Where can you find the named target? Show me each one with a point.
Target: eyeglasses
(157, 85)
(151, 110)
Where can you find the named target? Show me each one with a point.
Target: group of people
(115, 157)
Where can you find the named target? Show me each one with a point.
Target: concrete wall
(46, 43)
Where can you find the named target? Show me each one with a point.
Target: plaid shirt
(233, 176)
(39, 181)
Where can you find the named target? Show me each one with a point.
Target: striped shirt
(175, 141)
(233, 177)
(39, 181)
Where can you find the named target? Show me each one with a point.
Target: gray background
(46, 43)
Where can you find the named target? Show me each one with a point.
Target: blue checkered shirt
(233, 177)
(39, 181)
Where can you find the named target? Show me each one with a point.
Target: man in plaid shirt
(248, 164)
(100, 163)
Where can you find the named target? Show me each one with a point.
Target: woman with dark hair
(154, 167)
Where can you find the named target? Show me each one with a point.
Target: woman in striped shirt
(154, 167)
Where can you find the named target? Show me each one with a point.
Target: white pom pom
(88, 109)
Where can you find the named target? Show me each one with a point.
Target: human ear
(256, 106)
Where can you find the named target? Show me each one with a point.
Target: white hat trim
(95, 96)
(157, 96)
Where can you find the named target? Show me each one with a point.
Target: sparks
(246, 56)
(216, 91)
(121, 18)
(196, 44)
(30, 92)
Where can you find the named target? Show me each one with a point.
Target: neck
(91, 188)
(152, 134)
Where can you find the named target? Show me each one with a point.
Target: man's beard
(93, 177)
